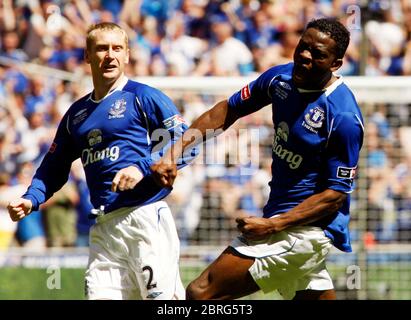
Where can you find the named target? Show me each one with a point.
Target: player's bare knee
(198, 289)
(194, 291)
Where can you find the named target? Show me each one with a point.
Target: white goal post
(366, 89)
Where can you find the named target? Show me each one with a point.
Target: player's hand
(255, 228)
(20, 208)
(164, 174)
(126, 179)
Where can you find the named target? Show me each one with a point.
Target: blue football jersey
(317, 140)
(132, 125)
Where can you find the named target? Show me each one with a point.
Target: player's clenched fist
(126, 179)
(20, 208)
(256, 228)
(164, 173)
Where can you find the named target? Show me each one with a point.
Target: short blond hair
(102, 26)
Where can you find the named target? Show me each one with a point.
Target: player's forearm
(310, 210)
(49, 178)
(208, 125)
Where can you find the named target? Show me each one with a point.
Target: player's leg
(105, 280)
(226, 278)
(108, 276)
(157, 253)
(309, 279)
(315, 295)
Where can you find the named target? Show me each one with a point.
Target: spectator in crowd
(7, 227)
(60, 216)
(381, 218)
(181, 51)
(10, 47)
(30, 233)
(227, 56)
(186, 202)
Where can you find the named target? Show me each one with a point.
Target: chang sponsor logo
(89, 155)
(294, 160)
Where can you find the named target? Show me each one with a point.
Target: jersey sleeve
(166, 126)
(254, 95)
(344, 144)
(54, 169)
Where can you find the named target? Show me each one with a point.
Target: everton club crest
(313, 120)
(117, 109)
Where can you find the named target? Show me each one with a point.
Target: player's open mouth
(109, 68)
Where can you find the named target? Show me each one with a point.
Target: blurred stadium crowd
(186, 38)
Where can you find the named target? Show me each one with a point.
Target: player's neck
(102, 88)
(321, 88)
(323, 83)
(332, 79)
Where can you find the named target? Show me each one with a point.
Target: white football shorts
(134, 254)
(289, 261)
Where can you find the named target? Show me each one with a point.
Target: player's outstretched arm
(220, 116)
(19, 208)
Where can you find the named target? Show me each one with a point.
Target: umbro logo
(154, 295)
(285, 85)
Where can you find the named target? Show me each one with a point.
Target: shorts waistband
(113, 214)
(305, 228)
(122, 211)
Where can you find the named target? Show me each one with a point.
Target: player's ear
(86, 56)
(337, 63)
(127, 55)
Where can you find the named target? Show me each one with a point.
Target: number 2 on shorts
(150, 278)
